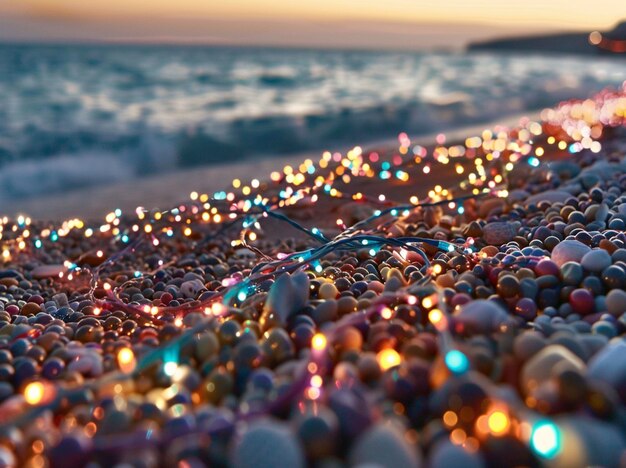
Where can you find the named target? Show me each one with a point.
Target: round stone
(268, 444)
(328, 291)
(482, 316)
(572, 273)
(596, 260)
(384, 446)
(569, 250)
(616, 302)
(526, 308)
(582, 301)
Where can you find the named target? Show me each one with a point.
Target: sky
(412, 24)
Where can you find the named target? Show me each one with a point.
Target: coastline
(163, 191)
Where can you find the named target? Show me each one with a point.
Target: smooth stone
(268, 444)
(288, 295)
(191, 289)
(609, 365)
(48, 271)
(328, 291)
(482, 316)
(498, 233)
(324, 312)
(569, 250)
(596, 260)
(588, 441)
(582, 301)
(529, 288)
(528, 344)
(384, 446)
(616, 302)
(564, 169)
(572, 273)
(446, 455)
(545, 364)
(550, 196)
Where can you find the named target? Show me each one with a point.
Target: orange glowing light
(498, 423)
(34, 393)
(126, 360)
(318, 342)
(388, 358)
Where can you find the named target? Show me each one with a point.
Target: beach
(457, 299)
(164, 191)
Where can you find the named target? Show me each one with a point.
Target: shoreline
(163, 191)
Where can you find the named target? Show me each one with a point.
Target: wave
(82, 116)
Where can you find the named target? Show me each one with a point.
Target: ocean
(79, 115)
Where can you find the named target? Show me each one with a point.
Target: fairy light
(34, 393)
(126, 360)
(318, 342)
(388, 358)
(545, 439)
(499, 146)
(456, 362)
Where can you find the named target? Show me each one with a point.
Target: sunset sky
(366, 23)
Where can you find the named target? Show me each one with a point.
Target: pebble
(288, 294)
(609, 365)
(482, 316)
(268, 444)
(616, 302)
(384, 446)
(569, 251)
(498, 233)
(545, 364)
(596, 260)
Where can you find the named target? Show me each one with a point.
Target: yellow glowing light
(388, 358)
(435, 316)
(386, 313)
(316, 381)
(437, 269)
(34, 393)
(126, 360)
(498, 422)
(187, 231)
(318, 342)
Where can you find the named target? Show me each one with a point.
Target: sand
(165, 190)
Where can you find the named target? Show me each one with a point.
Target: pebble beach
(453, 302)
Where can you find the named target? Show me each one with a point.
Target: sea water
(78, 115)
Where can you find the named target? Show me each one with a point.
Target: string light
(34, 393)
(388, 358)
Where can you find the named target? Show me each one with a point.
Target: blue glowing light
(457, 362)
(137, 274)
(38, 244)
(534, 162)
(118, 212)
(54, 236)
(125, 239)
(545, 439)
(241, 296)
